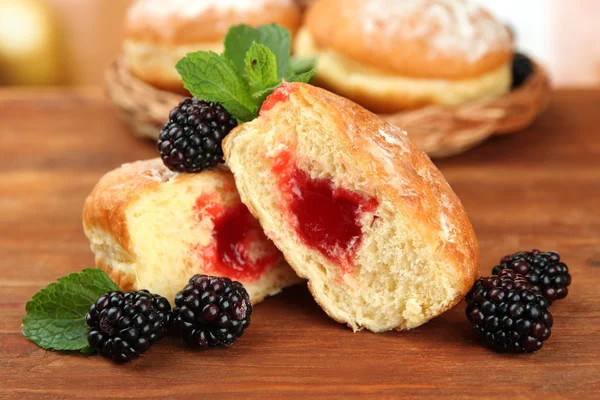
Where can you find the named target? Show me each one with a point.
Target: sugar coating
(159, 15)
(450, 26)
(190, 9)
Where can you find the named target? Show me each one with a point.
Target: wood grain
(540, 188)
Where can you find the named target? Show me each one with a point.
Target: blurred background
(69, 42)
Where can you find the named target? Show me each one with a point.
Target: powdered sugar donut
(395, 54)
(159, 33)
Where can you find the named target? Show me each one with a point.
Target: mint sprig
(276, 38)
(213, 77)
(255, 62)
(56, 314)
(260, 67)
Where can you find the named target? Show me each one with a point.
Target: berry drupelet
(124, 325)
(508, 313)
(191, 140)
(544, 271)
(212, 311)
(522, 68)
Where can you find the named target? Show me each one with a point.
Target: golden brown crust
(125, 281)
(371, 43)
(175, 28)
(402, 173)
(105, 207)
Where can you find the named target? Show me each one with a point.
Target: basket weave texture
(440, 131)
(443, 131)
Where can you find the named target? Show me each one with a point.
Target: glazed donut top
(196, 21)
(452, 39)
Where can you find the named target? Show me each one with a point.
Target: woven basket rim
(440, 131)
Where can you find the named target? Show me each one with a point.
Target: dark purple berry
(191, 140)
(124, 325)
(544, 271)
(522, 68)
(212, 311)
(508, 314)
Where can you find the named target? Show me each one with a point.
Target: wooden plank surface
(537, 189)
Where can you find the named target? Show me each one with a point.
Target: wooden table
(540, 189)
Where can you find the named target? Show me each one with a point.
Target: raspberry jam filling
(326, 218)
(239, 249)
(282, 93)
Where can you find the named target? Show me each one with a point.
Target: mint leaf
(212, 77)
(276, 38)
(305, 77)
(254, 63)
(261, 67)
(56, 315)
(238, 41)
(261, 95)
(301, 65)
(279, 40)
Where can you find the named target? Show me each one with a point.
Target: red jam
(239, 250)
(282, 93)
(328, 218)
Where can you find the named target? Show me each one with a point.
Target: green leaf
(254, 63)
(276, 38)
(301, 65)
(261, 95)
(261, 67)
(238, 41)
(305, 77)
(212, 77)
(279, 40)
(56, 315)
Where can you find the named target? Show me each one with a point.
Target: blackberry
(212, 311)
(522, 68)
(191, 140)
(124, 325)
(544, 271)
(508, 313)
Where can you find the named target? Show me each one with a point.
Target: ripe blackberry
(544, 271)
(508, 314)
(212, 311)
(522, 68)
(124, 325)
(191, 140)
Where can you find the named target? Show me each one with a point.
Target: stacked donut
(391, 55)
(159, 33)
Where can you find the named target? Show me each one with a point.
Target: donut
(159, 33)
(355, 208)
(154, 229)
(392, 55)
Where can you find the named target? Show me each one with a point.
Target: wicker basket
(144, 107)
(439, 131)
(445, 131)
